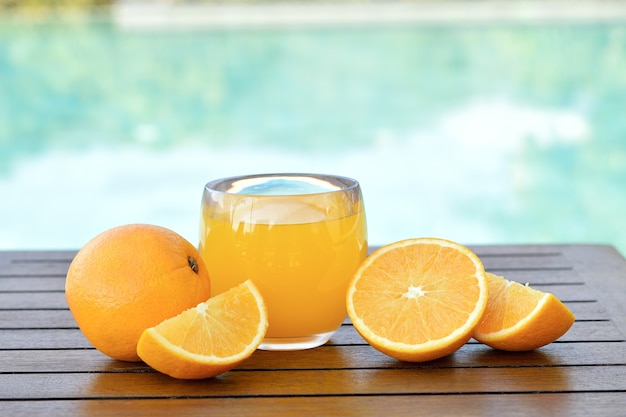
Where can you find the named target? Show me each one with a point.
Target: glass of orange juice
(299, 237)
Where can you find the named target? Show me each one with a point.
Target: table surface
(48, 367)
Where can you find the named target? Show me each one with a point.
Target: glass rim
(343, 183)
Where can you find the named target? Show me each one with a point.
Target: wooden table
(47, 367)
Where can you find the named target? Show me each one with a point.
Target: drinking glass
(298, 237)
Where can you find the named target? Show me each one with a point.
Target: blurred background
(479, 121)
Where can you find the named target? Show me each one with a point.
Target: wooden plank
(54, 300)
(56, 281)
(19, 256)
(36, 299)
(34, 269)
(569, 293)
(472, 355)
(581, 405)
(37, 319)
(63, 318)
(581, 331)
(589, 311)
(513, 405)
(581, 374)
(591, 322)
(13, 339)
(520, 264)
(527, 263)
(536, 277)
(51, 338)
(241, 383)
(37, 261)
(20, 284)
(52, 318)
(483, 251)
(44, 264)
(56, 263)
(604, 269)
(517, 250)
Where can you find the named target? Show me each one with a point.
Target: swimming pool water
(486, 133)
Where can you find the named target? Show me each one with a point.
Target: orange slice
(520, 318)
(209, 339)
(418, 299)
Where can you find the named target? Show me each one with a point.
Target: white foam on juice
(283, 200)
(281, 185)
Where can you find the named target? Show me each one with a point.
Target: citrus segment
(209, 339)
(418, 299)
(129, 278)
(520, 318)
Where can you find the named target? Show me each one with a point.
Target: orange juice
(301, 262)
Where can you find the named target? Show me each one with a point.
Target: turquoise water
(480, 134)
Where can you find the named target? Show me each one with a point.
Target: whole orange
(130, 278)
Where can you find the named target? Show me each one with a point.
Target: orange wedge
(418, 299)
(209, 339)
(520, 318)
